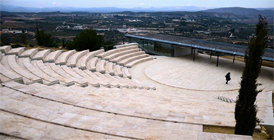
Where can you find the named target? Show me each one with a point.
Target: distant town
(206, 25)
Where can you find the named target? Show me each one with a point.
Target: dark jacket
(227, 76)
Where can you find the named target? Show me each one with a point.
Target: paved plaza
(156, 97)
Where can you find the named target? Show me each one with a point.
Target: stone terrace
(54, 95)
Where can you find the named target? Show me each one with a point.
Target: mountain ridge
(242, 11)
(12, 8)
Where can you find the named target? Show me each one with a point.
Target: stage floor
(202, 75)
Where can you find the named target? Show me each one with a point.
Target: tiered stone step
(118, 70)
(41, 55)
(62, 59)
(43, 103)
(67, 76)
(126, 72)
(121, 84)
(94, 81)
(16, 51)
(129, 83)
(91, 64)
(8, 75)
(72, 61)
(135, 62)
(78, 117)
(60, 71)
(29, 53)
(100, 66)
(79, 77)
(46, 69)
(83, 61)
(116, 54)
(96, 78)
(11, 59)
(125, 56)
(123, 99)
(52, 56)
(21, 127)
(109, 68)
(133, 58)
(109, 81)
(110, 52)
(5, 49)
(48, 80)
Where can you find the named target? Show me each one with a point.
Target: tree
(24, 39)
(63, 43)
(44, 39)
(87, 39)
(245, 109)
(108, 45)
(38, 36)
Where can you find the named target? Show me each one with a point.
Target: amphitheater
(122, 93)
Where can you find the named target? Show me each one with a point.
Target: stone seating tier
(133, 63)
(62, 59)
(125, 56)
(72, 61)
(94, 81)
(36, 71)
(5, 49)
(133, 84)
(32, 109)
(26, 80)
(82, 62)
(118, 70)
(91, 64)
(104, 54)
(47, 130)
(4, 78)
(18, 69)
(72, 112)
(132, 58)
(41, 55)
(4, 62)
(96, 78)
(126, 72)
(10, 75)
(109, 68)
(29, 53)
(121, 83)
(79, 76)
(16, 51)
(116, 54)
(46, 69)
(100, 66)
(60, 71)
(52, 56)
(109, 81)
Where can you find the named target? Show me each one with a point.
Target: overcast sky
(141, 3)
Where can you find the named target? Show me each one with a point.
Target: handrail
(140, 46)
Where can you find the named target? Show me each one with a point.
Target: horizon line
(146, 7)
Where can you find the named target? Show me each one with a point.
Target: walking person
(227, 77)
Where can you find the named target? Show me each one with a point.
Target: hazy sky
(141, 3)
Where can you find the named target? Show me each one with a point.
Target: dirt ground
(257, 135)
